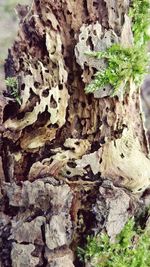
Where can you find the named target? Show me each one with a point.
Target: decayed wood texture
(66, 154)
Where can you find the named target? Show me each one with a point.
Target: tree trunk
(73, 163)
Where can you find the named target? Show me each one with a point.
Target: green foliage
(125, 64)
(131, 249)
(12, 84)
(139, 12)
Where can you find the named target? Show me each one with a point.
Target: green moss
(131, 249)
(12, 84)
(125, 64)
(140, 15)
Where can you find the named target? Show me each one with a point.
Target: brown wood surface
(73, 163)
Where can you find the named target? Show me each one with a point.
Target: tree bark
(73, 163)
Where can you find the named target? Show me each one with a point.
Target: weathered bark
(71, 161)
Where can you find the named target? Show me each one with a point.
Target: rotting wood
(62, 148)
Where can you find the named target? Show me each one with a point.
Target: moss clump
(140, 15)
(131, 249)
(125, 64)
(12, 84)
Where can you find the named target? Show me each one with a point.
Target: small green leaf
(12, 84)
